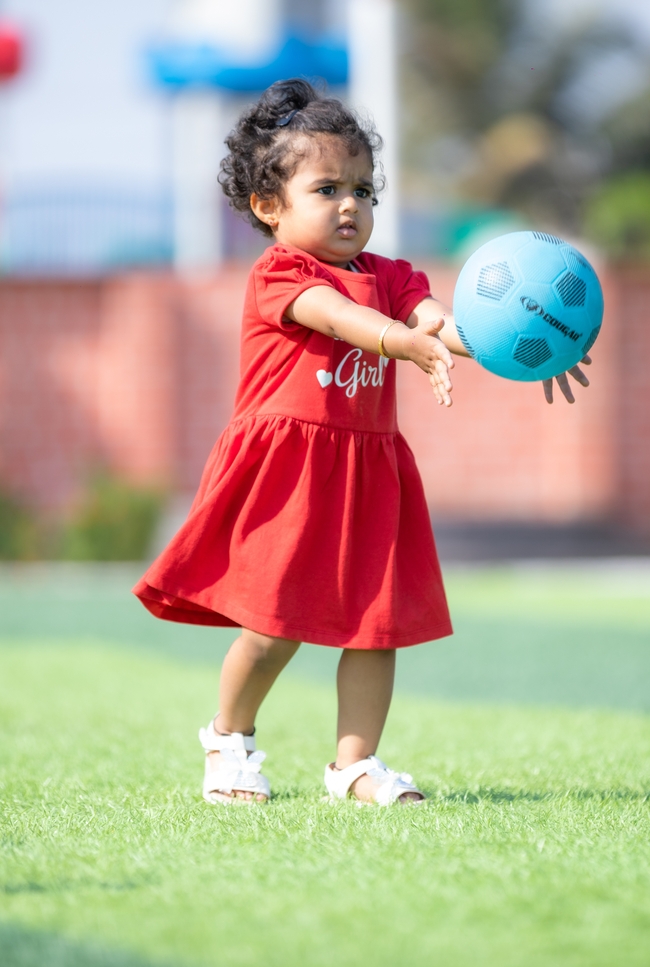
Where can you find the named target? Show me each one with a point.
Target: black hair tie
(287, 119)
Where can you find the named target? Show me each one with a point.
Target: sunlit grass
(534, 847)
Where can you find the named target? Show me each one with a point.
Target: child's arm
(431, 309)
(328, 311)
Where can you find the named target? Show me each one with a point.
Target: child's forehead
(329, 155)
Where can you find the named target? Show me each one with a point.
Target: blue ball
(528, 306)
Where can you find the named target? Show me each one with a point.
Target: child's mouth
(347, 231)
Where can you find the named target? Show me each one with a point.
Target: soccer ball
(528, 306)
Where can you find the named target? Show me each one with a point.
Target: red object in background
(11, 52)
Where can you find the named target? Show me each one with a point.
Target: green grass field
(529, 730)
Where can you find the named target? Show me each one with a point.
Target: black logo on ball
(530, 305)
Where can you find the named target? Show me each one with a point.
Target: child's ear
(266, 209)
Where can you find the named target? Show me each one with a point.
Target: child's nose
(349, 204)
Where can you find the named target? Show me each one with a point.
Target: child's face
(327, 204)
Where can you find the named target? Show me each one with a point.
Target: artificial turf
(534, 847)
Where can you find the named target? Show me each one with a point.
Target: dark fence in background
(47, 230)
(54, 230)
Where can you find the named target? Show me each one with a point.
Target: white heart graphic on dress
(324, 378)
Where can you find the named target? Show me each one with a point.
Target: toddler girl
(310, 522)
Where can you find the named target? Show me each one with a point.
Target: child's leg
(249, 669)
(365, 688)
(252, 664)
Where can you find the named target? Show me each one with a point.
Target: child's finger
(441, 389)
(563, 383)
(442, 374)
(434, 327)
(548, 389)
(442, 399)
(439, 348)
(443, 354)
(579, 376)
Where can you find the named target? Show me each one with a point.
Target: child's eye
(362, 192)
(327, 190)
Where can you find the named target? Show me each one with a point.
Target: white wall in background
(84, 109)
(248, 32)
(373, 90)
(248, 29)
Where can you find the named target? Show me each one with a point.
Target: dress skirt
(309, 532)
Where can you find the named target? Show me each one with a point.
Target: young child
(310, 522)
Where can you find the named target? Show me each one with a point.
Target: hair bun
(281, 99)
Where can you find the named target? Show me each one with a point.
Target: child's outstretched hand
(330, 312)
(564, 384)
(425, 348)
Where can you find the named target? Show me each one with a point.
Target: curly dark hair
(263, 149)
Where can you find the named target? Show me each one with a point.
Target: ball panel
(531, 351)
(572, 290)
(594, 307)
(544, 237)
(463, 338)
(494, 280)
(576, 262)
(591, 339)
(540, 262)
(489, 330)
(508, 368)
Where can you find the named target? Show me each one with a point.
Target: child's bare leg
(365, 688)
(252, 664)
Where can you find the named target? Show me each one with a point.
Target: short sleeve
(406, 289)
(279, 277)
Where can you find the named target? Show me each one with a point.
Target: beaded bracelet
(382, 351)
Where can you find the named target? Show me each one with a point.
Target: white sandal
(237, 771)
(391, 785)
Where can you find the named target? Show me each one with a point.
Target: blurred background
(123, 270)
(122, 276)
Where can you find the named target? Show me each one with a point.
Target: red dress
(310, 521)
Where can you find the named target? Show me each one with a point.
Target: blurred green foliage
(453, 44)
(19, 531)
(617, 217)
(483, 74)
(114, 521)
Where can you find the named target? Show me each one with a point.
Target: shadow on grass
(62, 886)
(21, 947)
(524, 795)
(471, 796)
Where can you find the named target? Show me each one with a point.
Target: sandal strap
(338, 781)
(390, 784)
(213, 741)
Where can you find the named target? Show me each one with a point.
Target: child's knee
(266, 650)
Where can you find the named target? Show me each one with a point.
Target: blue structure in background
(178, 66)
